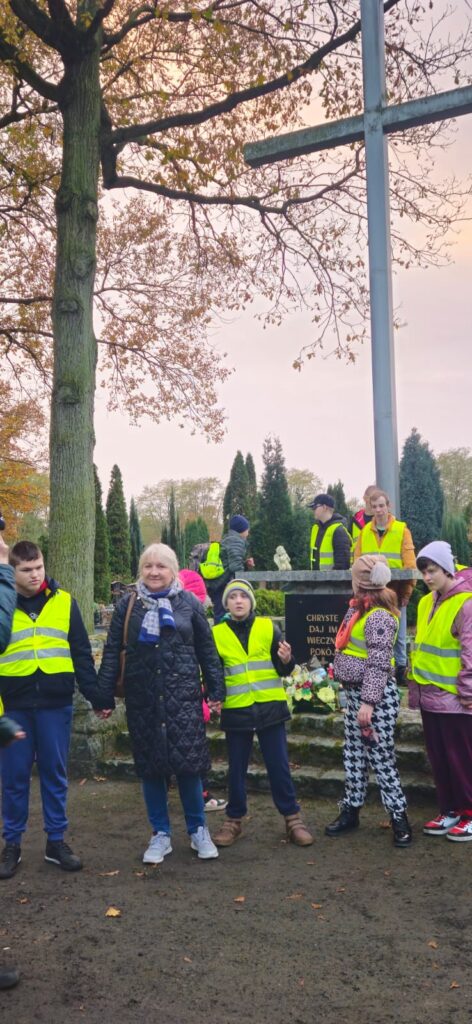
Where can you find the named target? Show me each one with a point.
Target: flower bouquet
(312, 685)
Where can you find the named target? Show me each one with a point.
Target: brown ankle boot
(297, 831)
(230, 831)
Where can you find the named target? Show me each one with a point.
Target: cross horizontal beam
(395, 118)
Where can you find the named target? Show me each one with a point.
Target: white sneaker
(158, 848)
(202, 842)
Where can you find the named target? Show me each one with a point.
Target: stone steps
(315, 745)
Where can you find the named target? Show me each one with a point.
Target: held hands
(364, 715)
(284, 652)
(215, 705)
(3, 551)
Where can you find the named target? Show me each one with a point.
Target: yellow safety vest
(390, 543)
(40, 644)
(357, 646)
(436, 653)
(250, 678)
(212, 567)
(326, 547)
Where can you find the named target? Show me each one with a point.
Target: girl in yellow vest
(364, 664)
(254, 657)
(441, 686)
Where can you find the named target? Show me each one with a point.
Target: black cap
(322, 499)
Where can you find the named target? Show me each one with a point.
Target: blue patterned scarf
(159, 611)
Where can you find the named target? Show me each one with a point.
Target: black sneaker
(11, 857)
(61, 854)
(9, 976)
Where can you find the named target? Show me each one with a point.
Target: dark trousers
(273, 744)
(215, 594)
(448, 741)
(46, 742)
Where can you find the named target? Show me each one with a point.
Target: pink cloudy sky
(323, 415)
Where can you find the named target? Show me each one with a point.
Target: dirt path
(345, 931)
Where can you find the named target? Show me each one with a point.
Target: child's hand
(284, 652)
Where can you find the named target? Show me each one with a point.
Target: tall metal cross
(377, 121)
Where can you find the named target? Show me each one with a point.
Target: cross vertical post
(380, 271)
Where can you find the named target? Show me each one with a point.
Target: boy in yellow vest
(48, 649)
(254, 657)
(388, 536)
(441, 686)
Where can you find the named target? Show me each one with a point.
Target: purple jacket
(432, 698)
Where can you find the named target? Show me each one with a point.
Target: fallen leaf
(433, 944)
(99, 778)
(113, 912)
(108, 874)
(140, 874)
(188, 959)
(301, 982)
(435, 966)
(23, 899)
(295, 896)
(239, 899)
(384, 824)
(82, 782)
(311, 862)
(341, 889)
(387, 874)
(454, 984)
(317, 906)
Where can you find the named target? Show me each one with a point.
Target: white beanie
(440, 552)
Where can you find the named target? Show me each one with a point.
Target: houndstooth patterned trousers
(358, 758)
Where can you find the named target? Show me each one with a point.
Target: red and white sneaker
(462, 832)
(440, 825)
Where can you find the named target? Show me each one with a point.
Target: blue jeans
(273, 744)
(399, 651)
(46, 742)
(191, 795)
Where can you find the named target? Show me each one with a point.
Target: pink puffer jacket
(432, 698)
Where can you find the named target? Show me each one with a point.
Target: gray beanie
(440, 552)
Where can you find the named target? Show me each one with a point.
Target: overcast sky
(323, 415)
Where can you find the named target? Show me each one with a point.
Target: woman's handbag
(120, 682)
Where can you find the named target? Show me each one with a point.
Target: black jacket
(163, 691)
(258, 715)
(341, 544)
(53, 691)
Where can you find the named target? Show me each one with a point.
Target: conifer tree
(195, 532)
(236, 498)
(454, 529)
(101, 565)
(118, 528)
(135, 538)
(274, 523)
(252, 488)
(337, 493)
(421, 494)
(302, 522)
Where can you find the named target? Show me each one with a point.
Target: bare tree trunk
(72, 521)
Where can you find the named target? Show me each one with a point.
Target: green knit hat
(241, 585)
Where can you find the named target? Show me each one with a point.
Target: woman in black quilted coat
(169, 641)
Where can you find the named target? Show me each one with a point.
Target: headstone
(311, 623)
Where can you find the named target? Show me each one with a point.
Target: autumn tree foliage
(152, 103)
(24, 486)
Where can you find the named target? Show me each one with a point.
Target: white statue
(281, 559)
